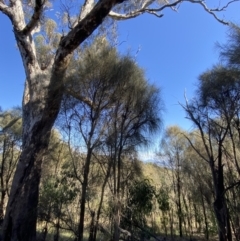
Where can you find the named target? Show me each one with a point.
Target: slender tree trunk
(92, 226)
(2, 202)
(205, 215)
(179, 205)
(197, 223)
(116, 220)
(3, 188)
(117, 201)
(164, 223)
(220, 206)
(116, 214)
(171, 218)
(101, 201)
(187, 206)
(116, 234)
(83, 195)
(57, 232)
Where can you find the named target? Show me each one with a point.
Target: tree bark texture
(21, 215)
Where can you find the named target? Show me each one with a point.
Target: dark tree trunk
(24, 196)
(38, 119)
(92, 227)
(83, 195)
(21, 214)
(222, 216)
(220, 206)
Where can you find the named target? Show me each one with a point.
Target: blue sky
(174, 50)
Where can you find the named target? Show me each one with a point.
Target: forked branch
(158, 11)
(34, 21)
(79, 97)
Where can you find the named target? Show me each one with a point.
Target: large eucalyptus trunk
(21, 215)
(41, 103)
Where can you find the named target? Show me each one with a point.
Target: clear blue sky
(174, 50)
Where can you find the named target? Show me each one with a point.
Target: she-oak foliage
(44, 87)
(113, 109)
(215, 113)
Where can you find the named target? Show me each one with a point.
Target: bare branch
(197, 122)
(33, 23)
(9, 125)
(79, 33)
(119, 16)
(80, 98)
(5, 9)
(169, 5)
(211, 11)
(195, 149)
(231, 186)
(144, 9)
(224, 7)
(157, 11)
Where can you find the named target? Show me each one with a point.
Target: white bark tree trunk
(41, 103)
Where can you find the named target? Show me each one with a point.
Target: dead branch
(157, 11)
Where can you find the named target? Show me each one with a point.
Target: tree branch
(5, 9)
(231, 186)
(80, 98)
(157, 11)
(9, 125)
(86, 7)
(133, 14)
(78, 34)
(38, 9)
(211, 11)
(224, 7)
(197, 122)
(195, 149)
(119, 16)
